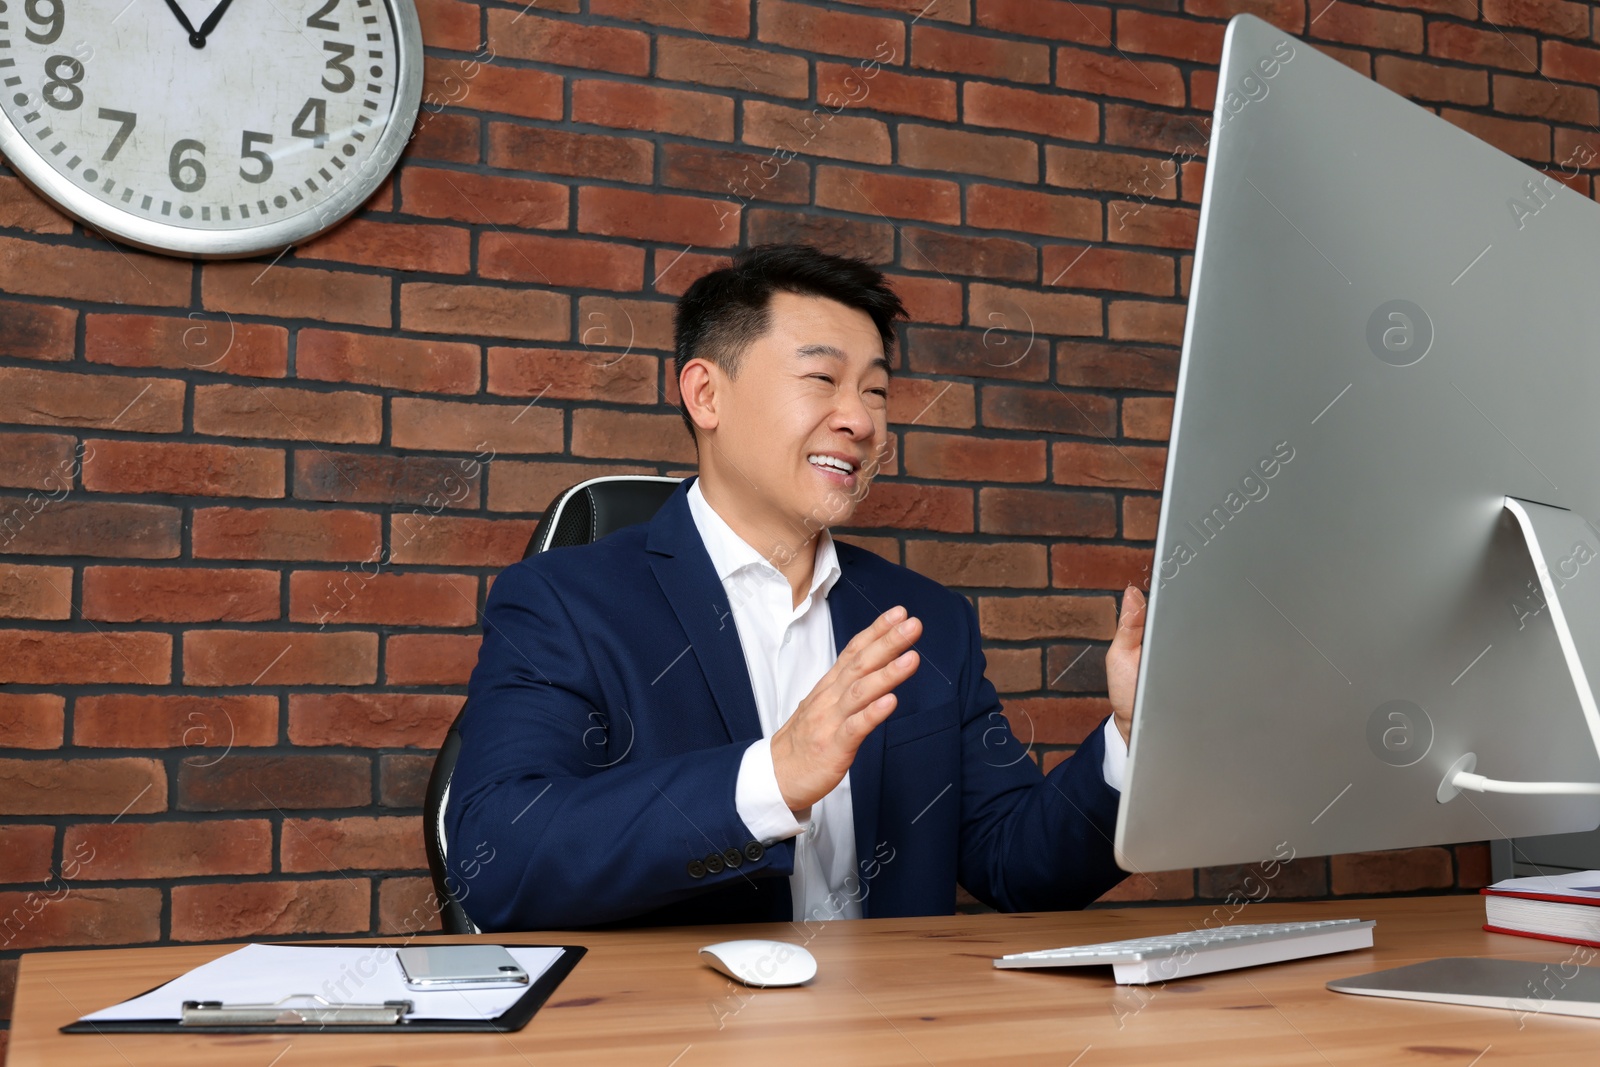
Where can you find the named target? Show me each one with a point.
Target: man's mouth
(833, 467)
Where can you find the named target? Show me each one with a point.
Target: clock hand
(197, 38)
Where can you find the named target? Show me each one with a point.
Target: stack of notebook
(1559, 907)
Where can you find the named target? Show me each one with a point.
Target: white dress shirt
(787, 650)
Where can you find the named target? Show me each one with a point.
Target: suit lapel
(853, 612)
(684, 570)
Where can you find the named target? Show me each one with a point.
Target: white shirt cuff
(1114, 767)
(758, 799)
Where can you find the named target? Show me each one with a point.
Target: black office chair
(577, 516)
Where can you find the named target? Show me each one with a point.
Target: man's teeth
(829, 461)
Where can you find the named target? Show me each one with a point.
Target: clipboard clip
(299, 1009)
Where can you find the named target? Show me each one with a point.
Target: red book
(1562, 907)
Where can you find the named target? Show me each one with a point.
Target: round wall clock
(210, 128)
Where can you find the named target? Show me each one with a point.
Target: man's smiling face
(800, 430)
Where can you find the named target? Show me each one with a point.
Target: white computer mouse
(762, 963)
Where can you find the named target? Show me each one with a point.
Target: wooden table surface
(888, 992)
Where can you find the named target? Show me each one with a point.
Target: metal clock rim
(173, 239)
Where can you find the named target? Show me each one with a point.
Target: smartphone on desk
(459, 966)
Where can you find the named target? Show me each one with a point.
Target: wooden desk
(889, 991)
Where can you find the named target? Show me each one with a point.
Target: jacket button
(754, 851)
(733, 858)
(697, 869)
(713, 863)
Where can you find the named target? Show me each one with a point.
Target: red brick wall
(258, 504)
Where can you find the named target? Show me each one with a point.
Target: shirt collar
(731, 553)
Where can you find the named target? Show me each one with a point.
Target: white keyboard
(1141, 960)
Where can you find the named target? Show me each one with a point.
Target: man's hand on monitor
(1122, 660)
(813, 751)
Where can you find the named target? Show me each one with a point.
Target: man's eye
(881, 392)
(824, 377)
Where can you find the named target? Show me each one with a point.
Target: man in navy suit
(725, 715)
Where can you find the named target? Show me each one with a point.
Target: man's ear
(698, 386)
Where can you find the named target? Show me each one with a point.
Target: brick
(1528, 141)
(179, 594)
(113, 277)
(653, 108)
(285, 413)
(817, 131)
(1395, 871)
(1354, 58)
(450, 541)
(431, 481)
(1570, 62)
(1139, 517)
(430, 659)
(25, 853)
(263, 783)
(1099, 267)
(993, 352)
(964, 564)
(1049, 410)
(485, 311)
(1066, 118)
(467, 425)
(1112, 466)
(1192, 181)
(1306, 877)
(1031, 618)
(1013, 670)
(23, 209)
(1076, 667)
(35, 592)
(284, 533)
(930, 402)
(480, 86)
(727, 66)
(407, 906)
(983, 257)
(82, 786)
(171, 849)
(936, 48)
(1492, 47)
(1052, 20)
(1114, 567)
(408, 364)
(296, 292)
(195, 342)
(719, 18)
(38, 461)
(1550, 17)
(1148, 417)
(672, 273)
(1150, 885)
(73, 528)
(627, 435)
(37, 919)
(31, 720)
(347, 598)
(36, 331)
(1144, 320)
(957, 11)
(931, 300)
(393, 245)
(1055, 720)
(626, 324)
(1097, 74)
(1287, 15)
(383, 843)
(258, 657)
(579, 155)
(48, 657)
(372, 720)
(449, 24)
(403, 779)
(887, 547)
(1151, 34)
(1081, 168)
(1047, 512)
(483, 198)
(1161, 131)
(447, 138)
(847, 85)
(201, 723)
(1151, 224)
(1397, 31)
(800, 26)
(1025, 210)
(872, 242)
(990, 155)
(567, 375)
(530, 487)
(1420, 80)
(112, 466)
(560, 261)
(902, 506)
(1472, 866)
(951, 457)
(894, 195)
(1545, 100)
(744, 175)
(1031, 313)
(232, 911)
(103, 401)
(568, 44)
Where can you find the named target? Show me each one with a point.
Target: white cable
(1479, 784)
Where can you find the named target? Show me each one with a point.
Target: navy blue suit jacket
(610, 709)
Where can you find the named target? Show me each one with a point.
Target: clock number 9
(177, 166)
(54, 20)
(72, 98)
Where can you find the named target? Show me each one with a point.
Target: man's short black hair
(723, 312)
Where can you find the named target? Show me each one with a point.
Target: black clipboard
(512, 1019)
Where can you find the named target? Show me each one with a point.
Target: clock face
(283, 120)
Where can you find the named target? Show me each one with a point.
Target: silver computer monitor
(1374, 562)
